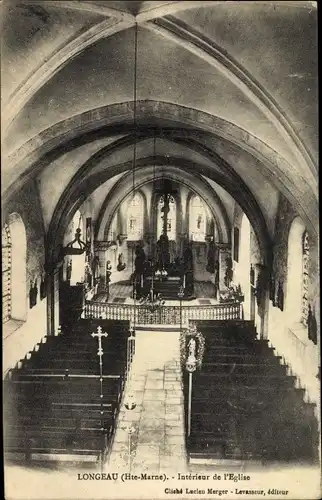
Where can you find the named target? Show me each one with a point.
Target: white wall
(291, 341)
(24, 339)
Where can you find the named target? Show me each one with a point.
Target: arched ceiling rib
(152, 17)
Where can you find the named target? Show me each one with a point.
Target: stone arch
(195, 183)
(118, 118)
(245, 199)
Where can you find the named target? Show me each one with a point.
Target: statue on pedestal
(108, 277)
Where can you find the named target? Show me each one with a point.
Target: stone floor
(157, 441)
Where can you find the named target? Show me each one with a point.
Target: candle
(184, 281)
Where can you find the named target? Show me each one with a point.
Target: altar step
(157, 328)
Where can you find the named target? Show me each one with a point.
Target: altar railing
(164, 315)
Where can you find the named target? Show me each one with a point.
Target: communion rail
(166, 314)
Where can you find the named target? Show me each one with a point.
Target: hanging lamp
(77, 246)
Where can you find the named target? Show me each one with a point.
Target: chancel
(160, 234)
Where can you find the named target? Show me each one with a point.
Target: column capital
(103, 245)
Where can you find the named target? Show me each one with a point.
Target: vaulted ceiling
(228, 88)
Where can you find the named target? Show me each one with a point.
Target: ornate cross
(100, 353)
(99, 335)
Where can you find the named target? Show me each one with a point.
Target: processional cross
(100, 351)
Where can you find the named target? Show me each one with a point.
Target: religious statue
(262, 286)
(187, 258)
(108, 277)
(229, 271)
(312, 326)
(33, 292)
(43, 287)
(211, 257)
(139, 261)
(96, 269)
(88, 275)
(139, 265)
(121, 264)
(191, 362)
(165, 209)
(69, 270)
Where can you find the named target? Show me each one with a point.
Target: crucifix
(167, 192)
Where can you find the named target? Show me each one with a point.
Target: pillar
(100, 249)
(53, 320)
(224, 252)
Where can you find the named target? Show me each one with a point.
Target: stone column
(53, 321)
(100, 249)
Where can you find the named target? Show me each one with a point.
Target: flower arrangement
(186, 336)
(232, 294)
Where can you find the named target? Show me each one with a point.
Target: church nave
(160, 239)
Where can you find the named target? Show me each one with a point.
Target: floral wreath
(185, 336)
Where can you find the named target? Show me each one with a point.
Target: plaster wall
(21, 336)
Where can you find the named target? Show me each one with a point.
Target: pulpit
(72, 301)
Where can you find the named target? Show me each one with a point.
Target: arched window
(6, 273)
(197, 218)
(171, 218)
(135, 218)
(297, 272)
(14, 281)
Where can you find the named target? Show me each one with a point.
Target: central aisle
(157, 442)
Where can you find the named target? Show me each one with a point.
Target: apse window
(197, 219)
(167, 217)
(135, 218)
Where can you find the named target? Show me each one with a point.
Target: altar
(167, 287)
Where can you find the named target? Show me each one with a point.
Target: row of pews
(244, 405)
(57, 407)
